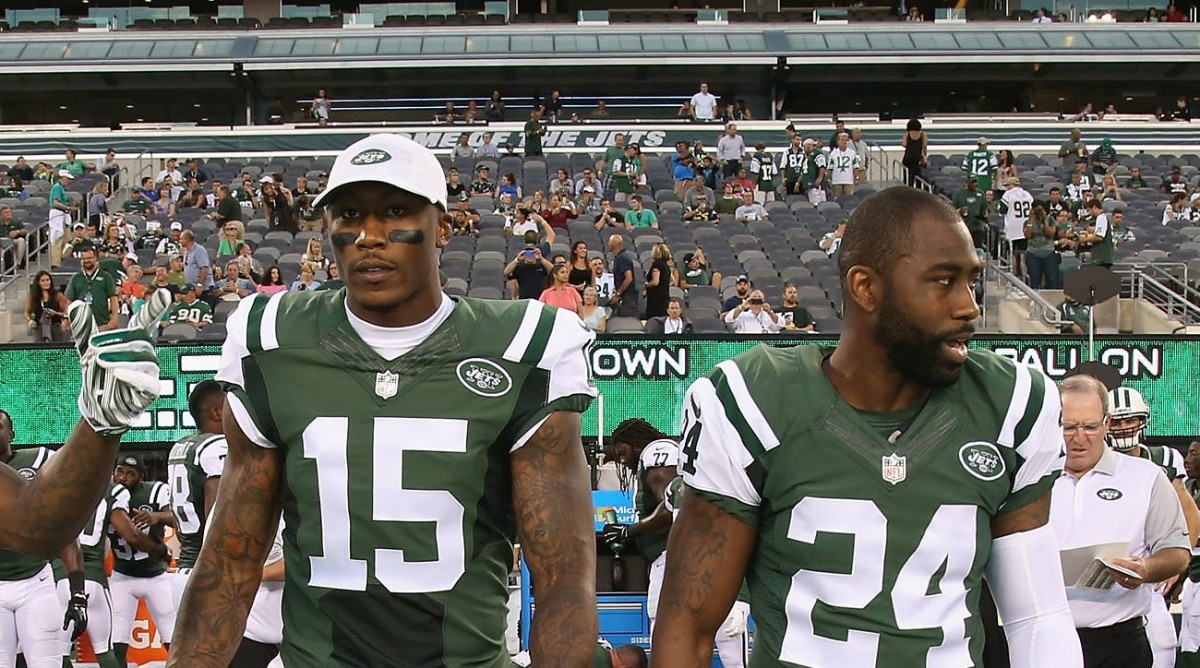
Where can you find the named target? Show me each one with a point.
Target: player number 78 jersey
(869, 552)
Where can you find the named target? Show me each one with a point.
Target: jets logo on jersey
(27, 473)
(895, 468)
(982, 460)
(370, 157)
(484, 377)
(386, 384)
(1109, 494)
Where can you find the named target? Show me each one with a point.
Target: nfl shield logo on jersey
(386, 384)
(895, 468)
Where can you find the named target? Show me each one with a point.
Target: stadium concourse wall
(1019, 132)
(637, 377)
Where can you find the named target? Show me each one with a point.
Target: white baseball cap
(64, 173)
(391, 159)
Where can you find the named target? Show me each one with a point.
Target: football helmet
(1125, 403)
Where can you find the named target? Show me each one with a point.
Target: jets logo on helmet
(1125, 405)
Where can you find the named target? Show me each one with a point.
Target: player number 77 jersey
(869, 553)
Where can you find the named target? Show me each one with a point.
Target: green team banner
(636, 376)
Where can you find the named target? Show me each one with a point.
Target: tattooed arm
(212, 616)
(62, 497)
(707, 556)
(553, 505)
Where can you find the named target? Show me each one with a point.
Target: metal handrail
(1048, 315)
(1159, 285)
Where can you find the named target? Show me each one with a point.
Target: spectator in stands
(581, 271)
(1109, 189)
(61, 210)
(73, 164)
(1182, 112)
(454, 186)
(234, 286)
(190, 309)
(277, 207)
(174, 269)
(44, 172)
(247, 199)
(972, 206)
(914, 15)
(164, 246)
(1175, 183)
(249, 267)
(307, 280)
(561, 294)
(487, 148)
(108, 165)
(608, 216)
(508, 186)
(495, 108)
(170, 171)
(463, 148)
(1006, 166)
(1075, 316)
(750, 211)
(96, 287)
(163, 205)
(916, 150)
(588, 180)
(527, 272)
(1135, 180)
(626, 172)
(1105, 157)
(638, 215)
(113, 242)
(730, 149)
(21, 170)
(741, 112)
(793, 316)
(611, 153)
(1174, 14)
(335, 282)
(625, 293)
(602, 279)
(314, 254)
(272, 282)
(659, 280)
(534, 131)
(1173, 212)
(754, 316)
(321, 106)
(697, 188)
(981, 165)
(683, 168)
(1074, 146)
(46, 309)
(1152, 15)
(1041, 261)
(562, 180)
(14, 230)
(483, 184)
(464, 220)
(742, 288)
(594, 316)
(704, 104)
(194, 172)
(79, 239)
(729, 201)
(131, 290)
(600, 113)
(672, 323)
(701, 210)
(685, 112)
(696, 272)
(553, 107)
(232, 234)
(1042, 15)
(844, 165)
(196, 267)
(1079, 189)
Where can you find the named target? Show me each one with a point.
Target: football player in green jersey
(141, 511)
(29, 607)
(194, 475)
(863, 490)
(119, 380)
(96, 599)
(1129, 416)
(444, 428)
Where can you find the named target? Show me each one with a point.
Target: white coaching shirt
(1122, 500)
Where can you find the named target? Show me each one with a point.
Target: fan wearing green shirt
(981, 164)
(639, 215)
(72, 164)
(189, 309)
(972, 204)
(625, 170)
(96, 287)
(534, 130)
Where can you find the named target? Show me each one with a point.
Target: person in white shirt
(1125, 510)
(671, 323)
(730, 149)
(175, 175)
(832, 241)
(754, 316)
(1042, 16)
(704, 104)
(603, 280)
(1174, 209)
(844, 166)
(1015, 204)
(750, 210)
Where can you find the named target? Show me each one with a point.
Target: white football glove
(737, 621)
(120, 367)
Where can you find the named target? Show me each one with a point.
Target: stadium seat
(621, 325)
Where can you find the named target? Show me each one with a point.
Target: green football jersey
(397, 496)
(981, 164)
(870, 550)
(765, 169)
(14, 565)
(193, 461)
(152, 496)
(663, 452)
(814, 162)
(1168, 459)
(795, 164)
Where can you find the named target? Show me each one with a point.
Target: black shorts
(1019, 245)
